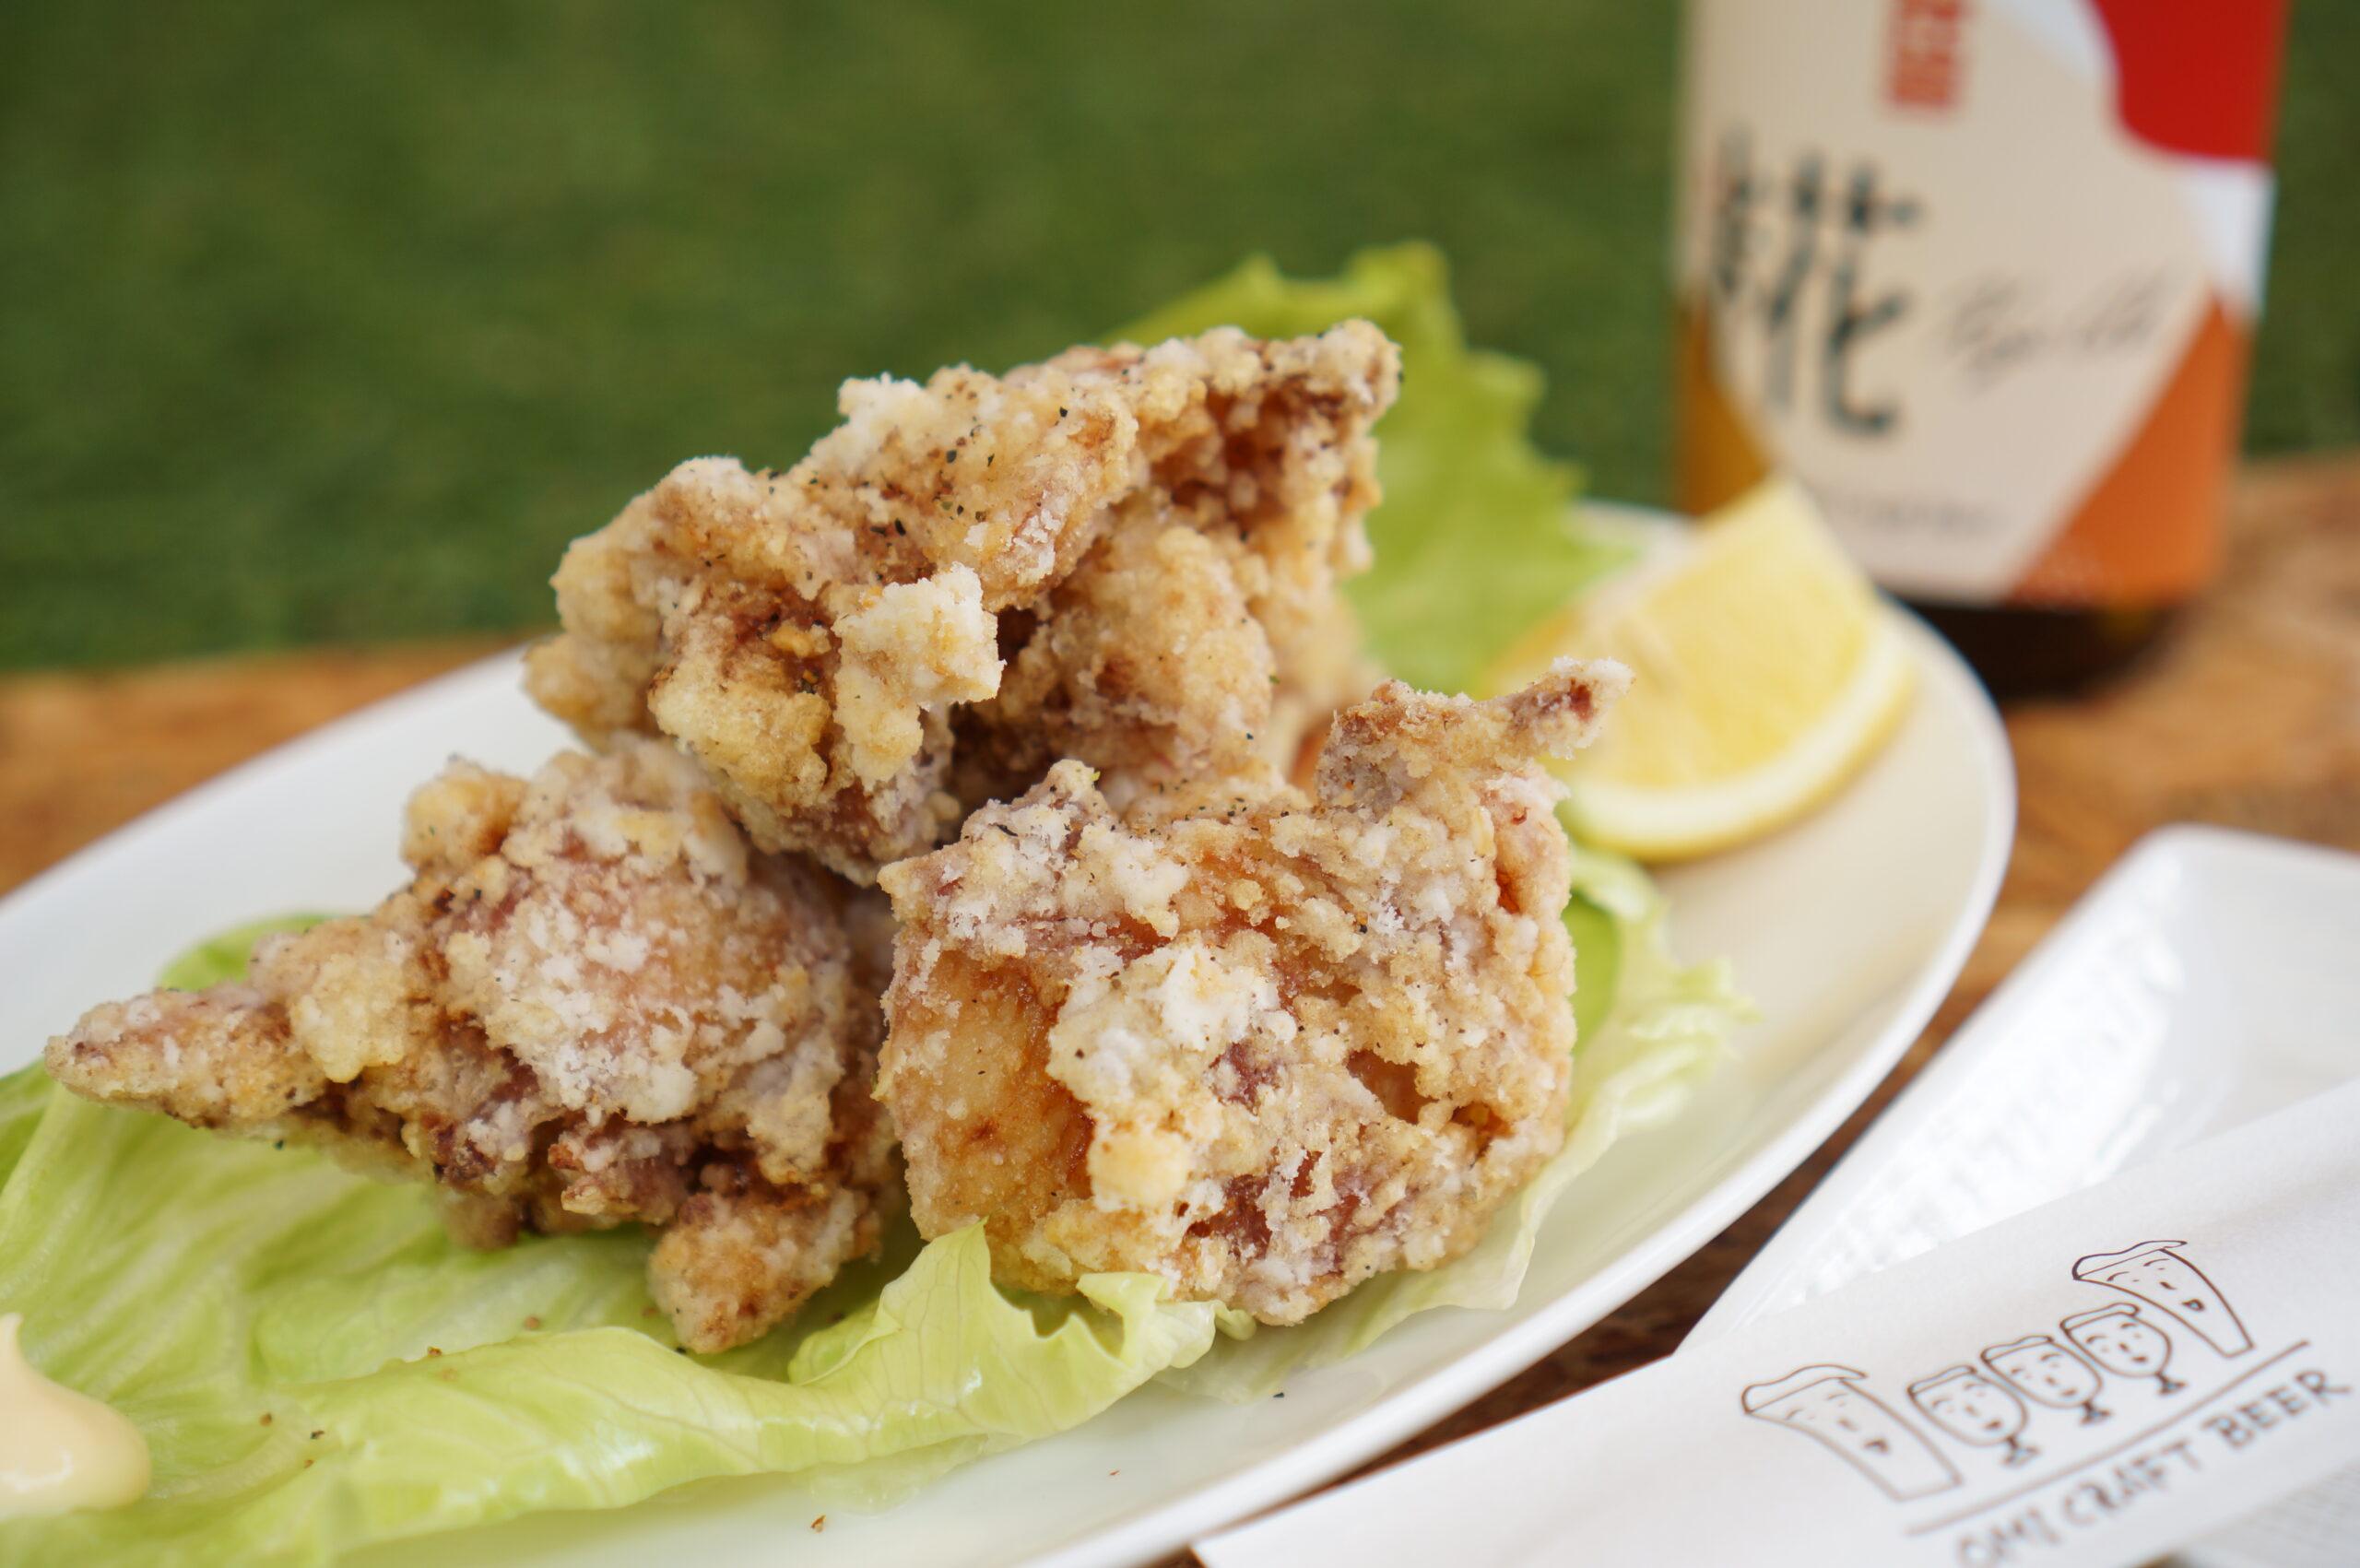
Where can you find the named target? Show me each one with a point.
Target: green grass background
(333, 321)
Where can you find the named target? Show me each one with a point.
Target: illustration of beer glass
(2163, 1278)
(1973, 1409)
(2125, 1344)
(1827, 1403)
(2048, 1374)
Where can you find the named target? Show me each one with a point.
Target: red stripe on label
(2198, 76)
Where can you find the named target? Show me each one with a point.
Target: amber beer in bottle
(1983, 274)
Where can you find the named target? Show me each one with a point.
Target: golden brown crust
(1266, 1044)
(595, 1003)
(1121, 554)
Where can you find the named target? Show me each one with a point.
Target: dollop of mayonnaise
(60, 1450)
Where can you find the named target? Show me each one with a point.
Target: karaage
(1262, 1042)
(1123, 555)
(595, 1003)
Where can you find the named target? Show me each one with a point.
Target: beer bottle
(1983, 274)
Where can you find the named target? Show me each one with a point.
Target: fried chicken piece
(1125, 555)
(1262, 1042)
(593, 1005)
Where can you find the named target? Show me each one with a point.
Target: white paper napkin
(2093, 1382)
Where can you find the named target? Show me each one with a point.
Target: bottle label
(1982, 273)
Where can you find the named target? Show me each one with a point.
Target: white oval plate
(1847, 929)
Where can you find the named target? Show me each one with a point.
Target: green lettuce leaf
(1476, 539)
(1665, 1028)
(316, 1368)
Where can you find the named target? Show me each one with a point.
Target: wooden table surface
(2250, 717)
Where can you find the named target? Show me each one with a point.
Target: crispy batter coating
(1125, 555)
(593, 1005)
(1264, 1043)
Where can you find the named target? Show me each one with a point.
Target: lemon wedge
(1769, 671)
